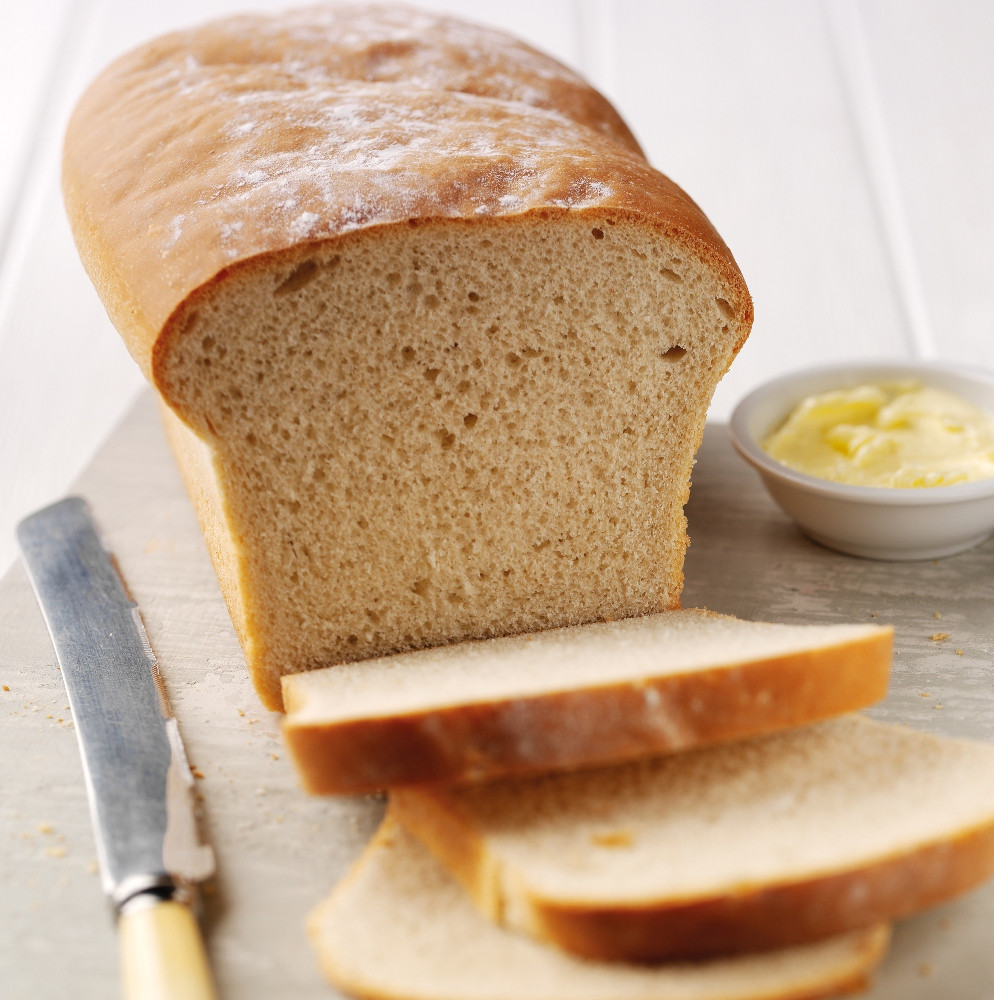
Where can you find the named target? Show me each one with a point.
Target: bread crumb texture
(444, 339)
(417, 457)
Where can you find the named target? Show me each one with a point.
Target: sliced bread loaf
(573, 697)
(399, 928)
(761, 844)
(435, 341)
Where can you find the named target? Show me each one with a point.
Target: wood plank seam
(855, 62)
(68, 65)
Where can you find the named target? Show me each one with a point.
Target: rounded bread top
(259, 135)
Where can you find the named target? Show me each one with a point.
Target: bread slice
(436, 341)
(761, 844)
(399, 928)
(573, 697)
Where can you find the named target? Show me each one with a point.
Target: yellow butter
(887, 434)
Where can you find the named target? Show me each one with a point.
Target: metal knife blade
(137, 776)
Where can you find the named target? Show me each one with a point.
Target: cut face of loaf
(760, 844)
(452, 432)
(574, 697)
(398, 928)
(435, 360)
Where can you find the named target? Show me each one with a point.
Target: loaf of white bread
(434, 342)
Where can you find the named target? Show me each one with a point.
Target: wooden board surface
(279, 851)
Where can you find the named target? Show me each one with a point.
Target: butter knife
(137, 776)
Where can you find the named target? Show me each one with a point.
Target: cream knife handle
(162, 953)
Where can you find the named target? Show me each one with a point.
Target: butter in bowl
(885, 460)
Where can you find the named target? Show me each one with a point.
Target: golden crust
(590, 726)
(254, 137)
(774, 916)
(195, 463)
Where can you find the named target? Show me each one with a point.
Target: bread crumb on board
(939, 636)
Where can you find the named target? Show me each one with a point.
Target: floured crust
(235, 150)
(558, 730)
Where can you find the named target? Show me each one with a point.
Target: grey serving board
(280, 852)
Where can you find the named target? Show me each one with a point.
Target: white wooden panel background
(841, 147)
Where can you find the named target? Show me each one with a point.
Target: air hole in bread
(432, 301)
(670, 275)
(446, 438)
(474, 297)
(675, 353)
(393, 279)
(303, 274)
(726, 310)
(470, 420)
(420, 587)
(407, 353)
(598, 234)
(432, 373)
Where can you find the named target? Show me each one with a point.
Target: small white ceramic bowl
(869, 521)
